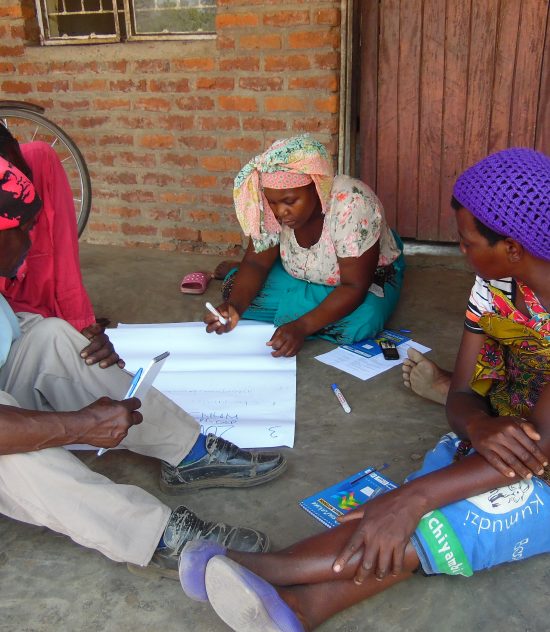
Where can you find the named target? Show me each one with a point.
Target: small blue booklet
(370, 347)
(339, 499)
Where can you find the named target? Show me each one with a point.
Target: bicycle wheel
(28, 125)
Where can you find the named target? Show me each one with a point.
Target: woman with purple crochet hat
(481, 497)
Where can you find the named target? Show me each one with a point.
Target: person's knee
(51, 328)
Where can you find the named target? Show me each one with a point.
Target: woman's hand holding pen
(228, 312)
(386, 524)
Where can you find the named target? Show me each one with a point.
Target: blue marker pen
(130, 392)
(340, 398)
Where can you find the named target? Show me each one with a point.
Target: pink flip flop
(195, 282)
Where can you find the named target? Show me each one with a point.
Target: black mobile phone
(389, 350)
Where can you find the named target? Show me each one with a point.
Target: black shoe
(224, 465)
(184, 526)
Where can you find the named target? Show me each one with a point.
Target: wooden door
(444, 83)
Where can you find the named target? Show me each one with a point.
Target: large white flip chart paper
(230, 384)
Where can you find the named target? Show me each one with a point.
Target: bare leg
(425, 378)
(302, 575)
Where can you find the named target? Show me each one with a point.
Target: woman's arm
(507, 443)
(248, 281)
(356, 276)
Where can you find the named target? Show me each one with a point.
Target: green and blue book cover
(341, 498)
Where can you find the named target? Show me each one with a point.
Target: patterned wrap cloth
(19, 201)
(511, 522)
(297, 155)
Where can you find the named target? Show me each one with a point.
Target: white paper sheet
(365, 368)
(231, 383)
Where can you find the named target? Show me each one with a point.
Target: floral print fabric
(514, 362)
(353, 223)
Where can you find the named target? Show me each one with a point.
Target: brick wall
(165, 126)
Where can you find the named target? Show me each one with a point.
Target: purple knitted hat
(510, 192)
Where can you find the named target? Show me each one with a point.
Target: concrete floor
(49, 584)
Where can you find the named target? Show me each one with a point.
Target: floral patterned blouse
(353, 223)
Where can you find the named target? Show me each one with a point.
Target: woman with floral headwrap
(321, 259)
(482, 495)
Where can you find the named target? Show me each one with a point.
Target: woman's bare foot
(425, 378)
(223, 268)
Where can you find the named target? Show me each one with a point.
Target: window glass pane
(174, 16)
(80, 17)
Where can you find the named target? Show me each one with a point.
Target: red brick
(330, 104)
(319, 82)
(136, 229)
(208, 217)
(112, 104)
(17, 32)
(157, 141)
(120, 177)
(71, 106)
(90, 85)
(236, 20)
(202, 64)
(240, 63)
(216, 123)
(182, 85)
(260, 41)
(220, 163)
(217, 199)
(285, 104)
(53, 86)
(11, 11)
(218, 236)
(116, 139)
(285, 63)
(180, 160)
(246, 143)
(329, 17)
(176, 122)
(327, 61)
(314, 39)
(101, 227)
(223, 42)
(164, 214)
(6, 68)
(113, 66)
(199, 181)
(158, 179)
(183, 197)
(16, 87)
(181, 233)
(198, 142)
(261, 84)
(142, 160)
(124, 211)
(32, 69)
(128, 85)
(152, 104)
(239, 104)
(92, 121)
(215, 83)
(316, 124)
(135, 195)
(256, 124)
(152, 65)
(72, 67)
(195, 103)
(12, 51)
(286, 18)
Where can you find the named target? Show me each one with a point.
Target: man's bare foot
(223, 268)
(425, 378)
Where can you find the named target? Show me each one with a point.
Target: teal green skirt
(283, 299)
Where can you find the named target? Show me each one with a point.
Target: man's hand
(508, 444)
(287, 340)
(100, 348)
(106, 422)
(386, 524)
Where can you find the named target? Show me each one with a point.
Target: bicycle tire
(82, 193)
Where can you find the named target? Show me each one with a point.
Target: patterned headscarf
(298, 155)
(18, 198)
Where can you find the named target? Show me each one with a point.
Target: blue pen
(130, 392)
(340, 397)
